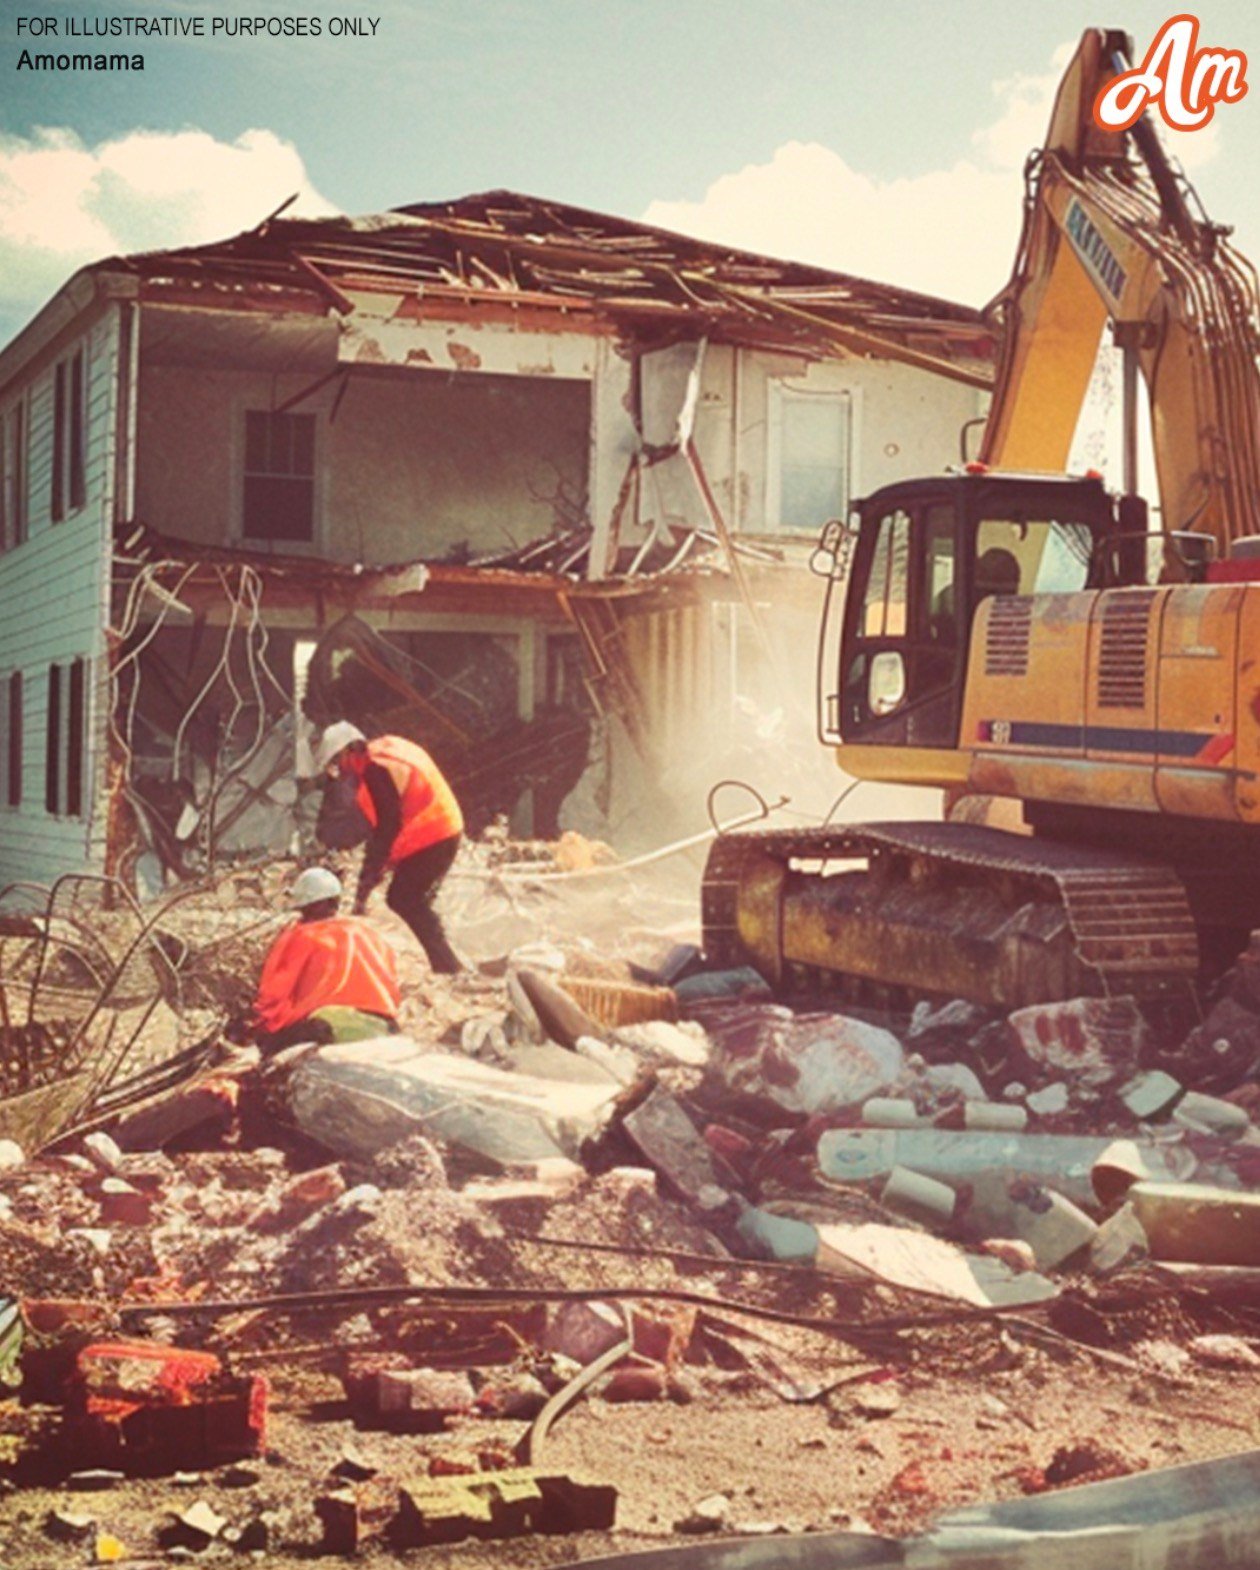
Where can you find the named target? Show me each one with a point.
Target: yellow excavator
(1009, 631)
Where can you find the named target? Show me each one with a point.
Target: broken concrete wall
(890, 421)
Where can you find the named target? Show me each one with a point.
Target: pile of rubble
(392, 1291)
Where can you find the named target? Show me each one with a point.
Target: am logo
(1184, 82)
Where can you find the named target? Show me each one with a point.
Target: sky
(885, 139)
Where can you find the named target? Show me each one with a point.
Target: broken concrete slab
(1150, 1094)
(1052, 1226)
(918, 1262)
(661, 1129)
(1120, 1241)
(1091, 1042)
(359, 1097)
(210, 1103)
(800, 1063)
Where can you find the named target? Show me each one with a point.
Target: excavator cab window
(899, 668)
(1030, 556)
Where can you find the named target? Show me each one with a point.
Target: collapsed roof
(502, 248)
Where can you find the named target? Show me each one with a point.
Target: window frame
(783, 394)
(245, 473)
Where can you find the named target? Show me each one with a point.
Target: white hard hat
(337, 737)
(314, 885)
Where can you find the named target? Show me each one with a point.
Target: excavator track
(938, 910)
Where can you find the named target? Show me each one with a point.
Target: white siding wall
(53, 595)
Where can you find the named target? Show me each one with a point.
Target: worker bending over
(326, 977)
(416, 827)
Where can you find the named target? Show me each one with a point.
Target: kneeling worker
(326, 977)
(416, 827)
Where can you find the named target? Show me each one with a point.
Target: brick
(153, 1410)
(420, 1400)
(509, 1503)
(636, 1384)
(353, 1516)
(300, 1198)
(124, 1205)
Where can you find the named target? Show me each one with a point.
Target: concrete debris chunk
(1090, 1042)
(710, 1514)
(1210, 1114)
(1053, 1227)
(1049, 1101)
(199, 1524)
(1150, 1094)
(103, 1151)
(357, 1098)
(669, 1139)
(920, 1198)
(1119, 1242)
(1224, 1351)
(923, 1263)
(803, 1063)
(69, 1526)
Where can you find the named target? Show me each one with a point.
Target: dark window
(11, 709)
(69, 427)
(14, 444)
(78, 411)
(59, 443)
(52, 742)
(65, 746)
(74, 741)
(279, 499)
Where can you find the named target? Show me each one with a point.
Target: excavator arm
(1109, 234)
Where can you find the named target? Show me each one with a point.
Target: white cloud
(951, 231)
(64, 204)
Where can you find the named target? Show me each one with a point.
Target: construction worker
(416, 827)
(326, 977)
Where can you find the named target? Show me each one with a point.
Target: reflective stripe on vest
(430, 812)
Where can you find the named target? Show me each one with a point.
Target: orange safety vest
(430, 812)
(318, 964)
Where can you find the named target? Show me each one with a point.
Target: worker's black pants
(412, 891)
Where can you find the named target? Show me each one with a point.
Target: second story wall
(374, 466)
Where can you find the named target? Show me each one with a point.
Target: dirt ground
(969, 1415)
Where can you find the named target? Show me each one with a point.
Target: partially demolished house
(516, 478)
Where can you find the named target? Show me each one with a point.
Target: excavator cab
(919, 557)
